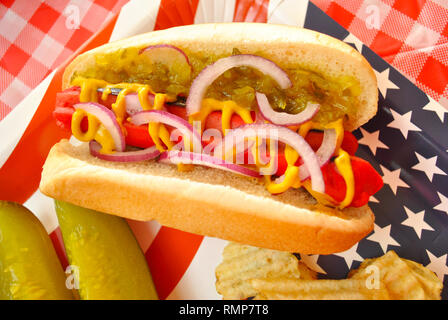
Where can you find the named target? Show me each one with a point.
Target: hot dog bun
(290, 46)
(208, 201)
(204, 201)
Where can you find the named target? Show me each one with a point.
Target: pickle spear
(29, 266)
(107, 261)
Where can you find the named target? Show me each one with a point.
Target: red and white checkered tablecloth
(37, 36)
(412, 36)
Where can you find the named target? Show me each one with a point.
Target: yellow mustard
(291, 175)
(344, 166)
(92, 128)
(342, 162)
(89, 93)
(158, 131)
(289, 179)
(95, 131)
(89, 88)
(228, 108)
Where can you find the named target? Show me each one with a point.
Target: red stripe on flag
(58, 244)
(173, 13)
(251, 11)
(20, 175)
(169, 256)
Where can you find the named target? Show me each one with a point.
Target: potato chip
(241, 263)
(404, 280)
(428, 280)
(296, 289)
(268, 274)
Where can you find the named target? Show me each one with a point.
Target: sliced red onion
(283, 118)
(276, 133)
(213, 71)
(324, 153)
(107, 119)
(172, 120)
(133, 104)
(206, 160)
(126, 156)
(168, 55)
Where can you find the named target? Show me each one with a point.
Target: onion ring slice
(172, 120)
(126, 156)
(176, 157)
(107, 119)
(213, 71)
(276, 133)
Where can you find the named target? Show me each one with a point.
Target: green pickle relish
(338, 97)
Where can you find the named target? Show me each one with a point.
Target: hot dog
(238, 131)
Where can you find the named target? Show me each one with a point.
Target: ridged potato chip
(241, 263)
(274, 275)
(295, 289)
(404, 279)
(428, 280)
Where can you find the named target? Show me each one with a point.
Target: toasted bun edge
(205, 201)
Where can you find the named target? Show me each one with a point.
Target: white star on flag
(372, 140)
(311, 262)
(354, 40)
(443, 205)
(403, 123)
(392, 178)
(350, 255)
(437, 265)
(416, 221)
(383, 82)
(436, 107)
(382, 236)
(373, 199)
(428, 166)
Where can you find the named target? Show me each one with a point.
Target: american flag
(407, 143)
